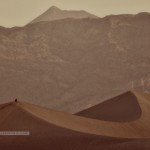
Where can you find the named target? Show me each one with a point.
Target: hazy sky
(20, 12)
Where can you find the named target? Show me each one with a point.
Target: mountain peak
(54, 13)
(54, 8)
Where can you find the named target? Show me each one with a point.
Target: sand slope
(58, 130)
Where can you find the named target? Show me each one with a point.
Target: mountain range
(70, 61)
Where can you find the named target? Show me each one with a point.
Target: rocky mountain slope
(73, 64)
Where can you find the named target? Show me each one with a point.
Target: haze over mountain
(73, 64)
(54, 13)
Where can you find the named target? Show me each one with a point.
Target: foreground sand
(56, 130)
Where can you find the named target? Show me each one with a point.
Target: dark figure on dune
(16, 100)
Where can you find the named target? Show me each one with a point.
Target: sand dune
(123, 108)
(136, 129)
(58, 130)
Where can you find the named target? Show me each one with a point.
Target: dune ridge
(122, 108)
